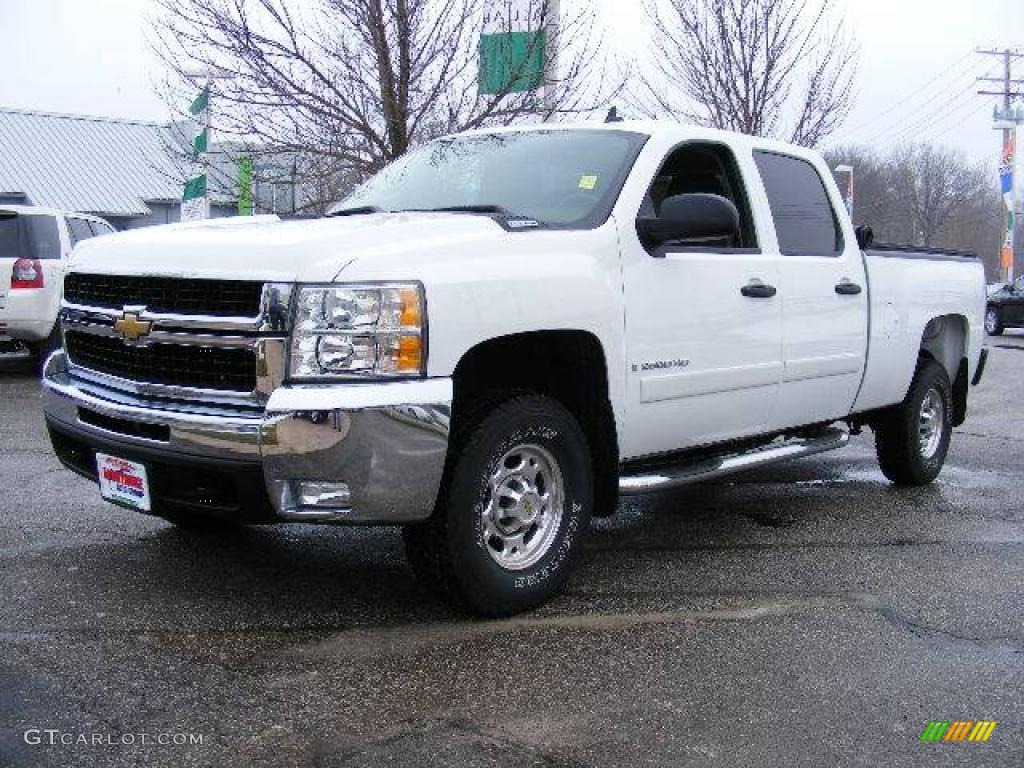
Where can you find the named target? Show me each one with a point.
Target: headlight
(358, 330)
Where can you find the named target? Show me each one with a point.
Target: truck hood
(268, 249)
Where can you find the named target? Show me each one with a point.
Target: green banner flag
(511, 62)
(199, 143)
(200, 103)
(195, 188)
(245, 201)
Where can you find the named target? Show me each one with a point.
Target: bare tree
(763, 67)
(352, 84)
(926, 195)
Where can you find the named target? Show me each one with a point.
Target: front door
(703, 322)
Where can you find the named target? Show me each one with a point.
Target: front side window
(79, 229)
(805, 222)
(707, 168)
(567, 178)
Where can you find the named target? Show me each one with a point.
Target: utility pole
(1007, 118)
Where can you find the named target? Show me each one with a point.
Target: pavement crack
(886, 611)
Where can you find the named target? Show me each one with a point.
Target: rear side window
(805, 222)
(29, 237)
(10, 236)
(79, 229)
(99, 228)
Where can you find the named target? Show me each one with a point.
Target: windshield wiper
(480, 208)
(355, 211)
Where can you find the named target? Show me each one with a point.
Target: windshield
(558, 177)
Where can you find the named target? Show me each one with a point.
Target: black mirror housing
(865, 236)
(695, 217)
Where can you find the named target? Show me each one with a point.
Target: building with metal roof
(127, 171)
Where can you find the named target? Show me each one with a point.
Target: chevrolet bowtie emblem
(131, 328)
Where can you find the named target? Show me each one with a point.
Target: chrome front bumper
(353, 453)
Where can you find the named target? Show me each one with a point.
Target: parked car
(1005, 308)
(35, 244)
(501, 333)
(994, 288)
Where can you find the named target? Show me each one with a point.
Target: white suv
(35, 244)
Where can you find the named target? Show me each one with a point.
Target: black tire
(993, 322)
(46, 347)
(898, 433)
(451, 552)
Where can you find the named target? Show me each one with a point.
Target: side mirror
(695, 217)
(865, 236)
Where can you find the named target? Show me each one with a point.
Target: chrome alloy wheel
(931, 422)
(523, 508)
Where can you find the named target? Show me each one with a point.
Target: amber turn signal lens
(410, 354)
(412, 316)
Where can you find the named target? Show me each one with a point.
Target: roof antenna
(613, 116)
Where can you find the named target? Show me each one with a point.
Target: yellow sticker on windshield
(588, 182)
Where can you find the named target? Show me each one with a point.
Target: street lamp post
(848, 170)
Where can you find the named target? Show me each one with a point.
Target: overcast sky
(915, 81)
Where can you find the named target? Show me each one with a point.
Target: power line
(907, 99)
(914, 121)
(977, 108)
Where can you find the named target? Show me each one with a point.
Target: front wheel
(509, 526)
(993, 324)
(912, 438)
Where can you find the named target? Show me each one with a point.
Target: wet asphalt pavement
(803, 615)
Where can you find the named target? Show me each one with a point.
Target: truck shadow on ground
(325, 579)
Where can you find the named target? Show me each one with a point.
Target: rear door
(824, 293)
(703, 350)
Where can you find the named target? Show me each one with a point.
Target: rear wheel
(993, 323)
(510, 523)
(912, 438)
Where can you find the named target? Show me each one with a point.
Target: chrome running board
(660, 478)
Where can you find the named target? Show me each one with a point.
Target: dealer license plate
(123, 482)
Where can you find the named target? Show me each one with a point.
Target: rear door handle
(755, 289)
(847, 288)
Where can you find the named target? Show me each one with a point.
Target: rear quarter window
(29, 237)
(805, 221)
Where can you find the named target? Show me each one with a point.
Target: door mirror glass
(693, 219)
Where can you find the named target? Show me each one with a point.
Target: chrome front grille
(178, 365)
(219, 357)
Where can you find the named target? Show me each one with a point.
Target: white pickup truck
(501, 333)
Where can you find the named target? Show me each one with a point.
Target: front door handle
(755, 289)
(847, 288)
